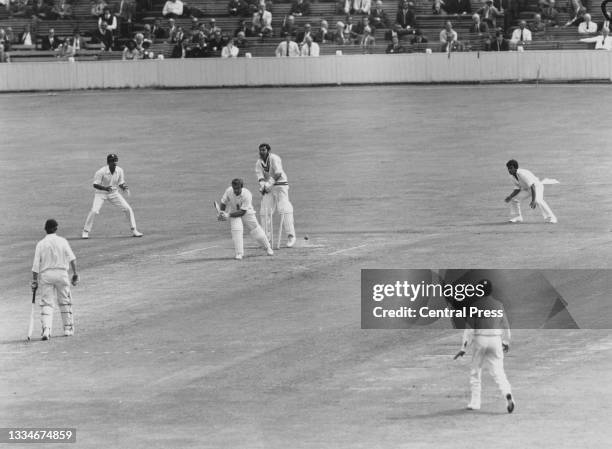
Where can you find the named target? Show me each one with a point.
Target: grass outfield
(177, 345)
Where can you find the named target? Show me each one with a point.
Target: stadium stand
(428, 23)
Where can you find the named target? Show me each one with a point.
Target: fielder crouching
(490, 338)
(240, 202)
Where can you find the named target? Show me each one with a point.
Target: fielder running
(527, 186)
(107, 182)
(240, 203)
(490, 338)
(274, 187)
(50, 271)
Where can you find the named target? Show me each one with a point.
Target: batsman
(274, 187)
(239, 201)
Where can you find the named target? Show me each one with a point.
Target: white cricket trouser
(488, 351)
(55, 284)
(515, 203)
(277, 199)
(115, 199)
(250, 221)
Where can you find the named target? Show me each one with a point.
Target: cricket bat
(217, 208)
(31, 326)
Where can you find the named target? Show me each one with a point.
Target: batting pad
(260, 237)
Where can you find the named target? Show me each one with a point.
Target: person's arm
(533, 196)
(101, 187)
(512, 195)
(604, 10)
(75, 276)
(468, 334)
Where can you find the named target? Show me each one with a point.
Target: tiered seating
(430, 24)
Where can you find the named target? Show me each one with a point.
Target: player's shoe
(518, 219)
(511, 404)
(68, 331)
(551, 220)
(46, 333)
(473, 406)
(135, 233)
(85, 235)
(291, 241)
(238, 257)
(269, 251)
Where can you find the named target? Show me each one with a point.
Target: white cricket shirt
(244, 201)
(52, 253)
(525, 179)
(105, 178)
(273, 168)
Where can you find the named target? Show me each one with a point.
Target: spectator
(289, 27)
(448, 36)
(97, 8)
(126, 13)
(10, 35)
(109, 18)
(300, 8)
(437, 7)
(5, 43)
(26, 37)
(230, 50)
(158, 31)
(241, 41)
(602, 42)
(262, 22)
(537, 27)
(19, 8)
(180, 49)
(172, 30)
(367, 41)
(489, 14)
(339, 36)
(131, 52)
(173, 8)
(499, 43)
(244, 28)
(102, 35)
(457, 7)
(309, 48)
(550, 15)
(405, 19)
(215, 44)
(323, 35)
(349, 34)
(302, 35)
(394, 47)
(62, 10)
(287, 48)
(50, 42)
(42, 10)
(238, 8)
(378, 16)
(520, 36)
(418, 37)
(179, 34)
(477, 26)
(362, 7)
(77, 41)
(588, 26)
(212, 27)
(359, 29)
(147, 34)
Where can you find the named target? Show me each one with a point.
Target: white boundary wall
(566, 65)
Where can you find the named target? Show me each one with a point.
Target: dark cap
(112, 157)
(265, 145)
(50, 226)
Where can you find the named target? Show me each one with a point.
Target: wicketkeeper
(239, 200)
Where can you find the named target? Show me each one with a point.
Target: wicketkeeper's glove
(506, 347)
(75, 279)
(34, 285)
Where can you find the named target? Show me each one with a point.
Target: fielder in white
(241, 211)
(274, 186)
(52, 259)
(527, 186)
(107, 182)
(490, 338)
